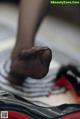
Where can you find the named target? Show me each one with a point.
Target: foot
(32, 63)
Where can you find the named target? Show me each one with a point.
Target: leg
(31, 14)
(27, 61)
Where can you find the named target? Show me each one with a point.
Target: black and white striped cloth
(31, 87)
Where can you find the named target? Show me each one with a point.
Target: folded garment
(31, 87)
(19, 108)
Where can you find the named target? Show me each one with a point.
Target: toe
(46, 56)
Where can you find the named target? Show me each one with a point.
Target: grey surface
(6, 32)
(8, 20)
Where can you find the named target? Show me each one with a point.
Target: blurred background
(60, 30)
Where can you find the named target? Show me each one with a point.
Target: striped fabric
(31, 87)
